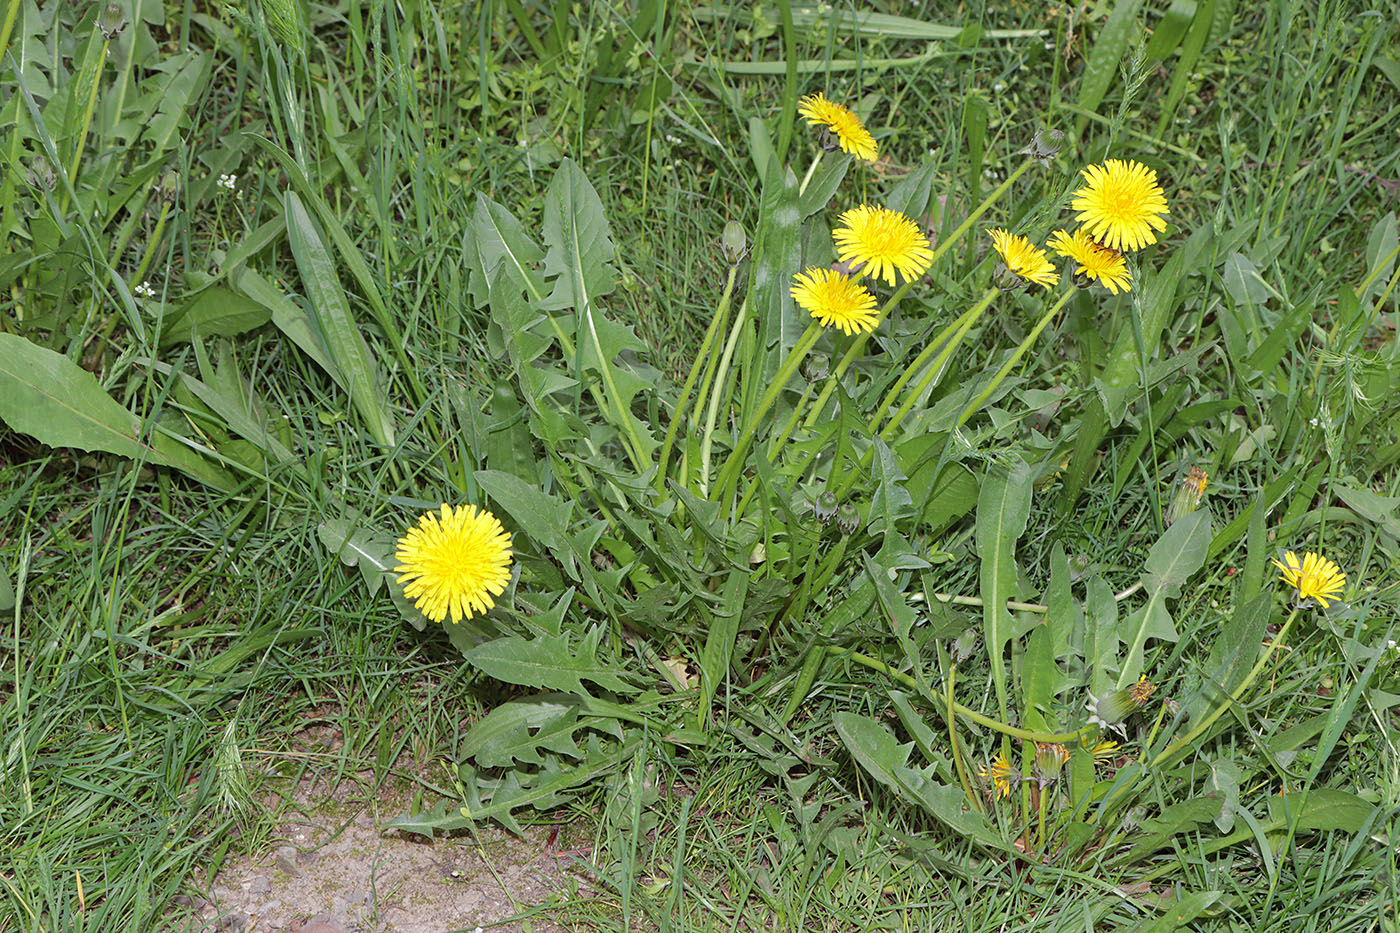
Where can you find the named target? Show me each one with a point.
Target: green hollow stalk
(716, 324)
(1199, 729)
(948, 343)
(859, 346)
(729, 474)
(1020, 351)
(875, 664)
(720, 375)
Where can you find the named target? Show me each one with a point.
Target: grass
(169, 640)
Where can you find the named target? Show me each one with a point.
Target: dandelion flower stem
(716, 323)
(1015, 358)
(1199, 729)
(875, 664)
(958, 330)
(707, 438)
(811, 170)
(858, 346)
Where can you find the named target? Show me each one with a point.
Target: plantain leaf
(548, 662)
(335, 323)
(49, 397)
(216, 311)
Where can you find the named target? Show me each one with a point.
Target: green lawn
(279, 279)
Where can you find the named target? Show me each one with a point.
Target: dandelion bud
(1188, 495)
(964, 645)
(1050, 757)
(734, 241)
(817, 367)
(1043, 146)
(1110, 710)
(41, 176)
(825, 507)
(111, 21)
(847, 518)
(167, 189)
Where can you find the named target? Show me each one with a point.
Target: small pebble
(259, 886)
(286, 859)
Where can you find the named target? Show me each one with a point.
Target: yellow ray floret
(1121, 205)
(879, 242)
(1312, 578)
(1100, 263)
(1023, 259)
(455, 563)
(835, 300)
(850, 133)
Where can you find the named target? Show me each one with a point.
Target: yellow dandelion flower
(1105, 751)
(880, 242)
(835, 299)
(1002, 774)
(455, 564)
(1094, 260)
(845, 126)
(1121, 204)
(1024, 260)
(1140, 691)
(1313, 578)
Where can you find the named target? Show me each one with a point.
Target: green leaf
(1110, 48)
(1179, 553)
(578, 243)
(719, 640)
(891, 502)
(502, 247)
(216, 311)
(548, 662)
(777, 257)
(873, 747)
(49, 397)
(1232, 654)
(335, 323)
(545, 518)
(356, 546)
(1003, 507)
(1322, 808)
(516, 731)
(1179, 914)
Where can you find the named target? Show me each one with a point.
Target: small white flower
(144, 290)
(228, 181)
(998, 86)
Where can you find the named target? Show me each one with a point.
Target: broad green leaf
(549, 662)
(1109, 50)
(356, 546)
(824, 184)
(1179, 553)
(1322, 808)
(1183, 911)
(719, 640)
(516, 731)
(294, 321)
(1225, 777)
(1003, 507)
(49, 397)
(873, 747)
(1177, 818)
(502, 246)
(777, 257)
(543, 517)
(578, 243)
(891, 502)
(335, 323)
(1040, 678)
(216, 311)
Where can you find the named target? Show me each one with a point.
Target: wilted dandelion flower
(1188, 495)
(1104, 751)
(878, 242)
(1050, 757)
(851, 135)
(1024, 260)
(454, 564)
(1093, 260)
(1002, 774)
(1110, 710)
(1121, 204)
(835, 300)
(1313, 578)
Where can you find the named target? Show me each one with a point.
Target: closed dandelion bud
(847, 518)
(816, 367)
(1110, 710)
(734, 242)
(167, 189)
(1188, 495)
(1050, 757)
(825, 507)
(964, 645)
(1045, 144)
(111, 21)
(287, 23)
(41, 176)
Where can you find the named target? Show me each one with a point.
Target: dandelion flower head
(454, 563)
(1023, 259)
(1313, 578)
(835, 300)
(1121, 204)
(1093, 259)
(879, 242)
(1003, 775)
(850, 133)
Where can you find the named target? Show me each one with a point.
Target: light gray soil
(341, 874)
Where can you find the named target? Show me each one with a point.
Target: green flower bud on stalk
(111, 21)
(825, 507)
(1050, 757)
(1111, 710)
(1188, 495)
(734, 241)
